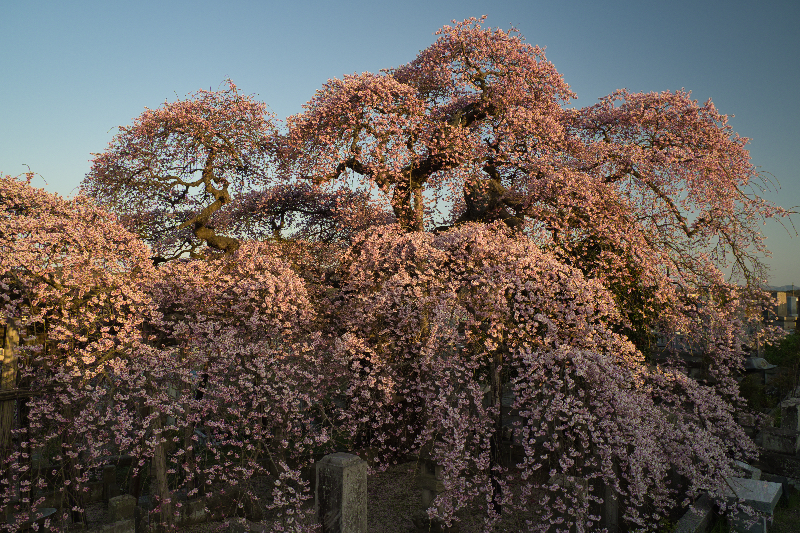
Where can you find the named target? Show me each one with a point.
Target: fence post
(341, 493)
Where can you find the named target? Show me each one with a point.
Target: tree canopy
(574, 238)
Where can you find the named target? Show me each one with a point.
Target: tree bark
(75, 500)
(162, 485)
(495, 450)
(8, 381)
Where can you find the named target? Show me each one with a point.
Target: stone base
(790, 414)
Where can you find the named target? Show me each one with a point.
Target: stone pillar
(341, 493)
(610, 517)
(429, 479)
(110, 489)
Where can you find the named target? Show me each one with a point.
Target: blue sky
(71, 72)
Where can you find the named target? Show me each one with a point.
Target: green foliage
(785, 354)
(756, 394)
(666, 526)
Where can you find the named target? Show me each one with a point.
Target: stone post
(341, 493)
(110, 489)
(610, 516)
(429, 479)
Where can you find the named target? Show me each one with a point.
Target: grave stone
(610, 515)
(789, 414)
(781, 440)
(580, 489)
(193, 512)
(341, 493)
(110, 489)
(748, 471)
(762, 496)
(242, 525)
(698, 518)
(121, 508)
(746, 419)
(429, 480)
(744, 524)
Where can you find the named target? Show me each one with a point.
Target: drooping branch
(699, 223)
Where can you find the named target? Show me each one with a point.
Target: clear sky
(71, 72)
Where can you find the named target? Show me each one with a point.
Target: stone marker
(745, 524)
(242, 525)
(697, 518)
(121, 508)
(789, 414)
(762, 496)
(788, 484)
(746, 419)
(110, 489)
(610, 515)
(781, 440)
(429, 480)
(749, 471)
(341, 493)
(193, 512)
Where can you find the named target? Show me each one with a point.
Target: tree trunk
(136, 479)
(8, 380)
(419, 210)
(162, 485)
(72, 472)
(495, 450)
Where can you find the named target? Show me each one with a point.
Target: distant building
(784, 313)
